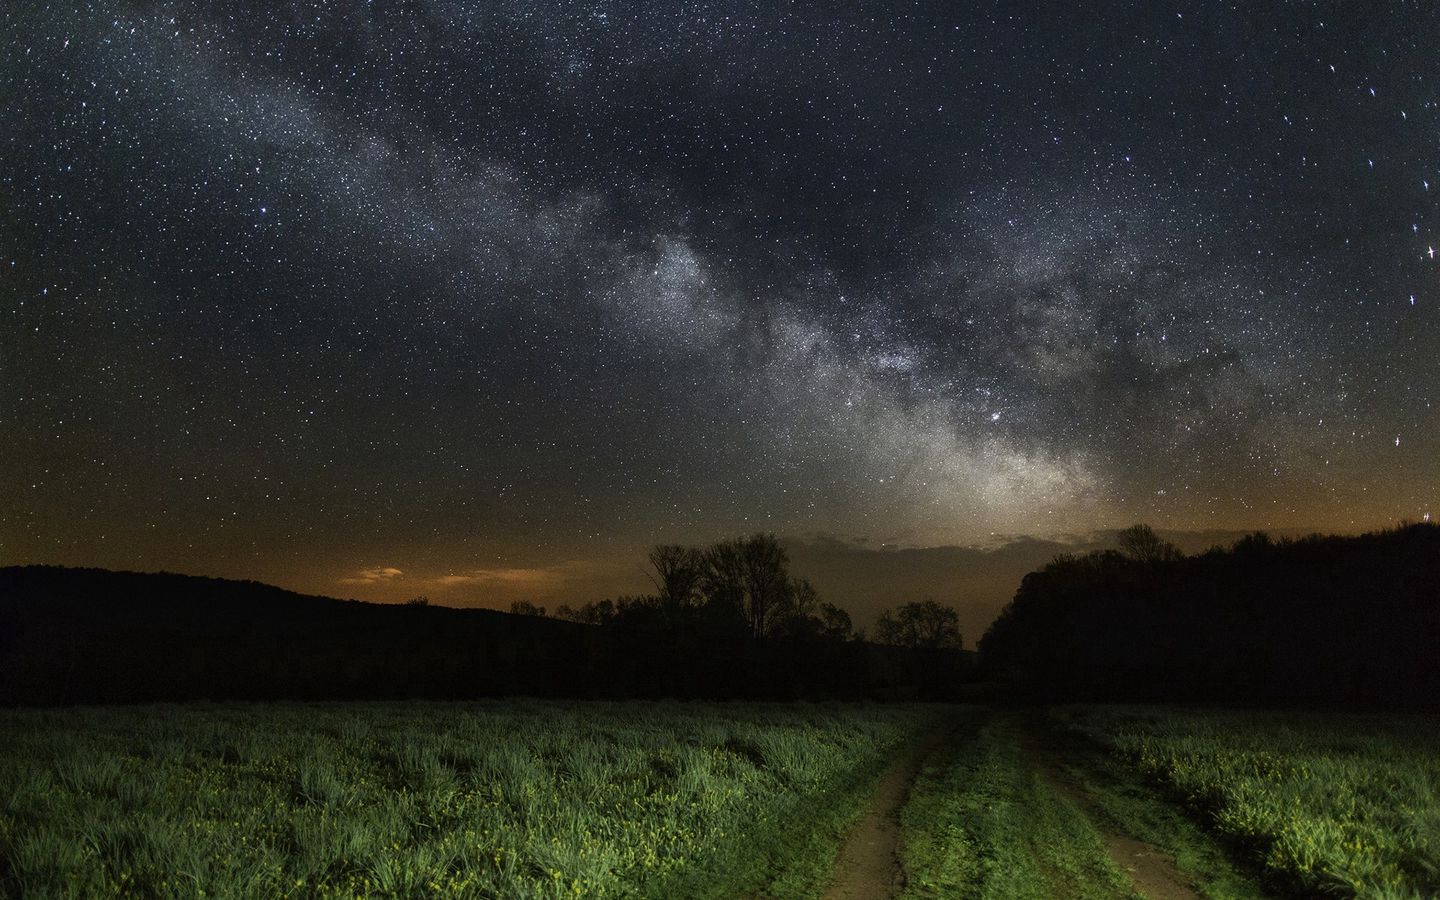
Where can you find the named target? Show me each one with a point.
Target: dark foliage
(1320, 621)
(95, 636)
(925, 625)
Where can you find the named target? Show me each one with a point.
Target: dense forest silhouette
(727, 621)
(1352, 621)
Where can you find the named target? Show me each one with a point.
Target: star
(550, 286)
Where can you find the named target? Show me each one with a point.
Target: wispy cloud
(507, 577)
(383, 575)
(538, 578)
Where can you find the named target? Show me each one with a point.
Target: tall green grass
(982, 824)
(512, 799)
(1328, 804)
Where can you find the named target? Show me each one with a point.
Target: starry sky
(477, 300)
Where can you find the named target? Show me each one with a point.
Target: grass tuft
(513, 799)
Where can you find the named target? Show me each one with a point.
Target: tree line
(729, 619)
(1321, 620)
(744, 585)
(724, 621)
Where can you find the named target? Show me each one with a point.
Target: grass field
(1244, 804)
(981, 823)
(513, 799)
(541, 799)
(1330, 804)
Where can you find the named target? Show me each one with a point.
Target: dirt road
(869, 864)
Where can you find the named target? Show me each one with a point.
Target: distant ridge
(70, 635)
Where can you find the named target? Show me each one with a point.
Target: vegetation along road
(552, 799)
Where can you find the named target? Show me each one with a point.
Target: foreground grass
(513, 799)
(1124, 801)
(1327, 804)
(982, 823)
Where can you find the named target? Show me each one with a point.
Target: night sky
(478, 299)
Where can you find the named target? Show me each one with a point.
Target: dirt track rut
(1152, 871)
(869, 865)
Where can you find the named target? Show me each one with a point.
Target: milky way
(441, 295)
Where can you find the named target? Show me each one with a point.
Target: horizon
(864, 580)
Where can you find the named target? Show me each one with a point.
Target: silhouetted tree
(601, 612)
(750, 575)
(795, 620)
(678, 574)
(1256, 542)
(767, 583)
(1142, 544)
(835, 624)
(804, 599)
(723, 580)
(922, 625)
(526, 608)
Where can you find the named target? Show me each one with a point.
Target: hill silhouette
(1350, 621)
(97, 636)
(91, 635)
